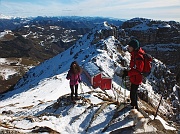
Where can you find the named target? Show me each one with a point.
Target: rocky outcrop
(153, 32)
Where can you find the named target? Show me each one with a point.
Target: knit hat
(134, 43)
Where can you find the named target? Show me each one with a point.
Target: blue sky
(122, 9)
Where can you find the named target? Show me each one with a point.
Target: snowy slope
(145, 24)
(40, 98)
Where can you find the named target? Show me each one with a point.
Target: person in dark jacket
(136, 67)
(74, 77)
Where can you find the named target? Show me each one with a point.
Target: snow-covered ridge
(83, 51)
(143, 24)
(39, 98)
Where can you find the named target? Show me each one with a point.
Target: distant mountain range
(64, 21)
(47, 35)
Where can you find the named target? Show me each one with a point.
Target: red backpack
(147, 64)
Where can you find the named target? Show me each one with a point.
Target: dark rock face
(153, 32)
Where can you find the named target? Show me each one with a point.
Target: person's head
(74, 64)
(75, 68)
(133, 45)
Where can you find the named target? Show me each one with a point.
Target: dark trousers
(74, 88)
(134, 96)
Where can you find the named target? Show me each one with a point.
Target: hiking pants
(133, 95)
(74, 87)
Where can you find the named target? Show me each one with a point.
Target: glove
(125, 73)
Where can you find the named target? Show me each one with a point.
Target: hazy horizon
(125, 9)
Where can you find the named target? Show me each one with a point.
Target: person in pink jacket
(74, 75)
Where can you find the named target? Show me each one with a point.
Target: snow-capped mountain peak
(5, 17)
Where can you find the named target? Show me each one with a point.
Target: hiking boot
(129, 106)
(77, 98)
(135, 107)
(72, 98)
(73, 101)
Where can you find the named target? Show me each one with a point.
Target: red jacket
(136, 67)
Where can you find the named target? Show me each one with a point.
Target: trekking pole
(158, 105)
(124, 79)
(82, 91)
(119, 91)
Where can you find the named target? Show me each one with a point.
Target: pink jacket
(74, 78)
